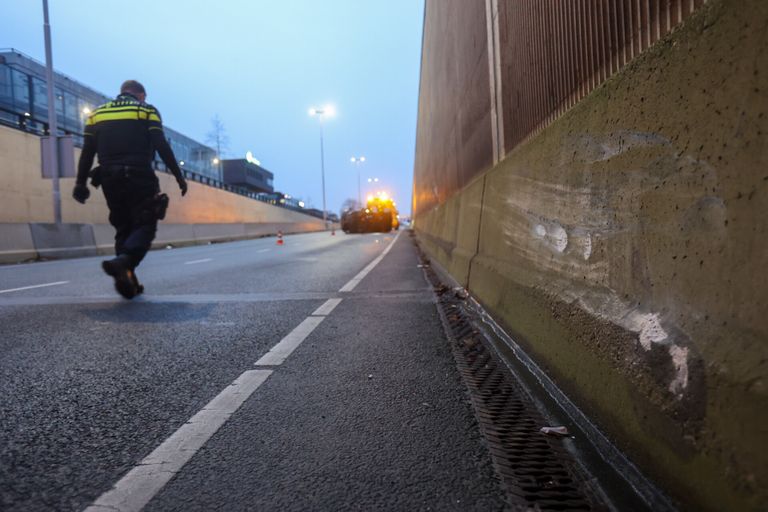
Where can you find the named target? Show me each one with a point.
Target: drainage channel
(538, 472)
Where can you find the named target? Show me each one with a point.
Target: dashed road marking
(137, 488)
(132, 492)
(327, 307)
(264, 250)
(193, 262)
(359, 277)
(33, 286)
(291, 342)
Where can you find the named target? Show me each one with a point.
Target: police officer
(125, 133)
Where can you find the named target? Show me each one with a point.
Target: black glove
(81, 193)
(183, 186)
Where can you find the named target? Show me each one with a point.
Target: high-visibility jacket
(125, 131)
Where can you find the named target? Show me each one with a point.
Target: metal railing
(555, 52)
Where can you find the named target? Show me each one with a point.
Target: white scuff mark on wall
(558, 237)
(680, 361)
(552, 234)
(649, 329)
(599, 150)
(587, 247)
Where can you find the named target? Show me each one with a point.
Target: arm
(86, 156)
(81, 192)
(162, 147)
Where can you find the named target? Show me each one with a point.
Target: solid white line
(359, 277)
(204, 260)
(292, 340)
(132, 492)
(327, 307)
(33, 286)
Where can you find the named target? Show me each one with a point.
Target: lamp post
(53, 128)
(321, 113)
(357, 160)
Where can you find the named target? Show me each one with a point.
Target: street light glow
(215, 161)
(326, 111)
(86, 110)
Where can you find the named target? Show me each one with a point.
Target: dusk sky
(259, 65)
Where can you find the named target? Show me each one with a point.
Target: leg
(119, 268)
(143, 218)
(140, 241)
(120, 219)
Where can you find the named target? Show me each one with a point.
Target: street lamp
(53, 129)
(357, 161)
(321, 113)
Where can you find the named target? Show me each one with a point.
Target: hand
(81, 193)
(183, 186)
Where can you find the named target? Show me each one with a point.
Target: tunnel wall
(624, 246)
(204, 214)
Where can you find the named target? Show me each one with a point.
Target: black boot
(137, 284)
(120, 269)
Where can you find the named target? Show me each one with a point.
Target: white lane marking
(359, 277)
(292, 340)
(327, 307)
(264, 250)
(193, 262)
(132, 492)
(33, 286)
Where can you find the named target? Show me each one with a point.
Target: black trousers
(128, 191)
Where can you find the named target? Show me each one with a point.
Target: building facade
(247, 174)
(24, 104)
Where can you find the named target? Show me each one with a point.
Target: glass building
(24, 105)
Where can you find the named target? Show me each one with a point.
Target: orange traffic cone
(279, 238)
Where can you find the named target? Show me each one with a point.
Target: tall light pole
(357, 160)
(53, 127)
(321, 113)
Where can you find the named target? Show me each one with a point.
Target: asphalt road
(244, 379)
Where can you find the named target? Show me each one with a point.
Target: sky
(259, 65)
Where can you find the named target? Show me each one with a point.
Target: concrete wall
(625, 247)
(205, 213)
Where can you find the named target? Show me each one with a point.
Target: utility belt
(152, 208)
(100, 172)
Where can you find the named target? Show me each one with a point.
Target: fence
(555, 52)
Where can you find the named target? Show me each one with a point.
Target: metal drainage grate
(536, 470)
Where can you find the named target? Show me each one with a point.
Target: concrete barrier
(16, 243)
(63, 240)
(625, 247)
(21, 242)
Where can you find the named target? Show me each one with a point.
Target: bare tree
(349, 204)
(217, 137)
